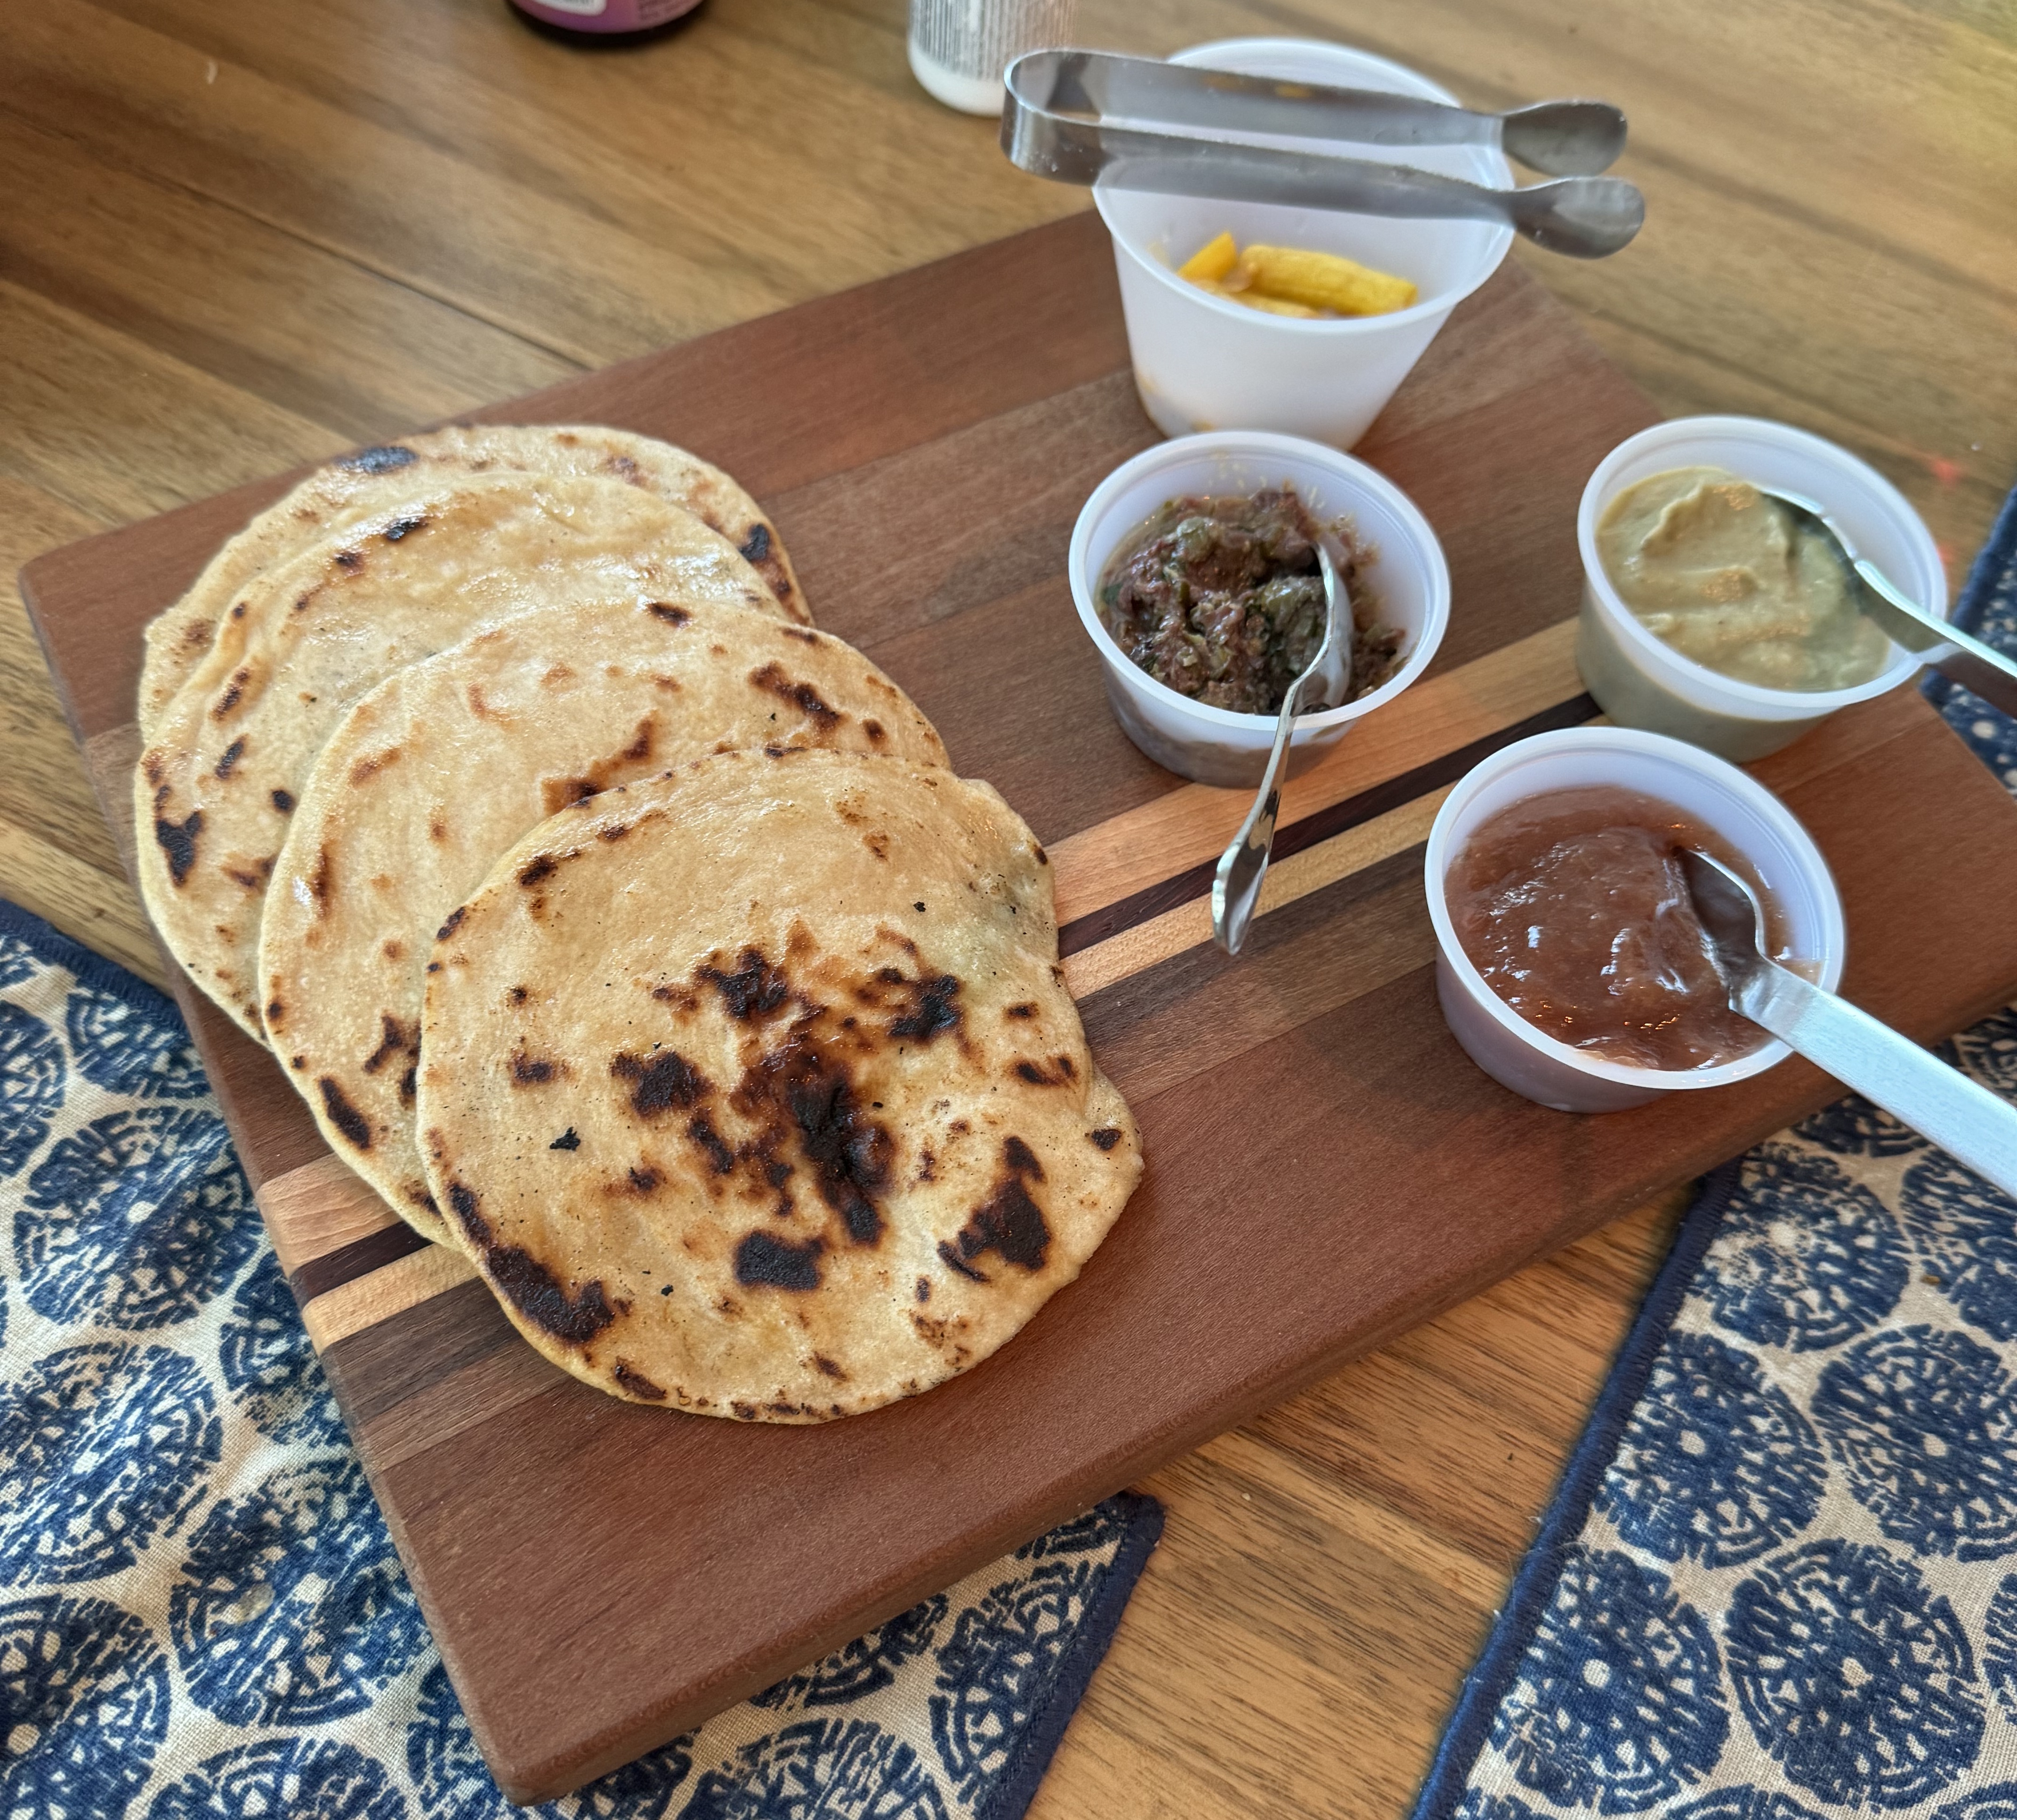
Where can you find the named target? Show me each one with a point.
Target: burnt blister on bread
(177, 840)
(527, 1283)
(345, 1117)
(764, 1261)
(661, 1082)
(1009, 1223)
(771, 678)
(382, 458)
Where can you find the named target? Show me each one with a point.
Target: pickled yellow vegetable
(1254, 300)
(1292, 282)
(1212, 261)
(1325, 281)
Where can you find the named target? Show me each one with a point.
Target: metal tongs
(1063, 114)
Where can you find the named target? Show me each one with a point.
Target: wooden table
(237, 239)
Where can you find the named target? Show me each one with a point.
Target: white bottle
(960, 47)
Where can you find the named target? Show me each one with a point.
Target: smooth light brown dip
(1574, 907)
(1720, 572)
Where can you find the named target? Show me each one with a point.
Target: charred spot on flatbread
(800, 1088)
(527, 1283)
(1008, 1222)
(540, 1296)
(720, 1158)
(755, 989)
(559, 793)
(380, 458)
(469, 1214)
(932, 1010)
(662, 1082)
(634, 1383)
(178, 842)
(771, 678)
(396, 1038)
(764, 1261)
(342, 1115)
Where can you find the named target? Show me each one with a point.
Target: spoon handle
(1974, 664)
(1236, 886)
(1968, 1122)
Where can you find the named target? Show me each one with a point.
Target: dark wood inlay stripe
(318, 1275)
(1194, 882)
(379, 1367)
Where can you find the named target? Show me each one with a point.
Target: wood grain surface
(237, 239)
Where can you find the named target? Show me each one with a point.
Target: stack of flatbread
(621, 929)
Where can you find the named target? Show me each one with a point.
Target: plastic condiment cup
(1781, 854)
(1404, 572)
(1641, 680)
(1202, 362)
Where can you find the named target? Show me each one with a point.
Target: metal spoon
(1586, 217)
(1967, 1121)
(1561, 139)
(1236, 887)
(1974, 664)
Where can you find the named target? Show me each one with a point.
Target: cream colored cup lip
(1438, 858)
(1353, 474)
(1317, 327)
(1656, 653)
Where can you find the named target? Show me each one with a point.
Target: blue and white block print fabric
(1987, 607)
(201, 1615)
(1780, 1580)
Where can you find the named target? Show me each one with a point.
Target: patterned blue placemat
(1777, 1583)
(1988, 608)
(201, 1615)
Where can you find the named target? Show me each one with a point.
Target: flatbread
(754, 1090)
(214, 792)
(374, 480)
(448, 763)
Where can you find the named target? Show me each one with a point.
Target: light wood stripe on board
(1162, 938)
(318, 1208)
(366, 1301)
(1102, 864)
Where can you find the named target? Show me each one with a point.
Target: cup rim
(1696, 679)
(1442, 303)
(1438, 857)
(1425, 547)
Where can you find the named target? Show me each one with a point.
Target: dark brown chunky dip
(1220, 599)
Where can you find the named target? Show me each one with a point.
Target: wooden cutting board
(1325, 1169)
